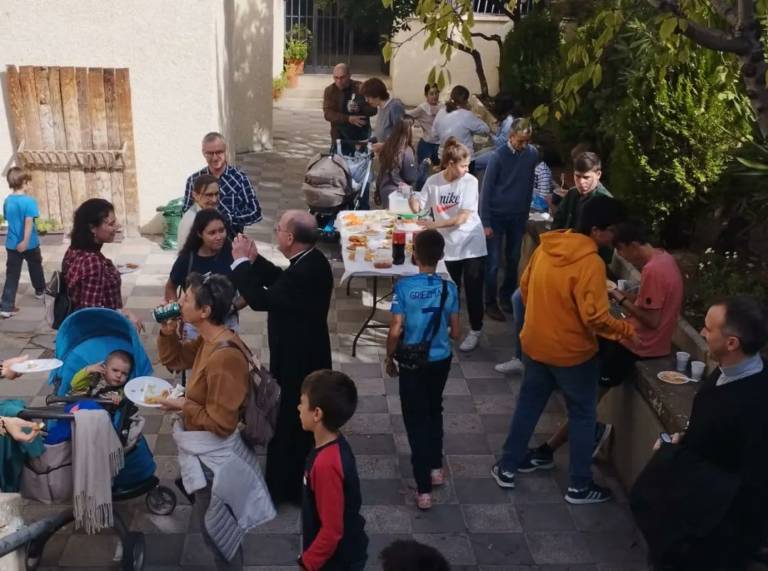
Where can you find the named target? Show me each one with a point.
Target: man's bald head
(301, 224)
(341, 75)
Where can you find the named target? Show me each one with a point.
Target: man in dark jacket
(345, 109)
(296, 300)
(702, 502)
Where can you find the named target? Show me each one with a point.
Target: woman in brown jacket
(218, 384)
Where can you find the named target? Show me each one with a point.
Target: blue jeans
(579, 385)
(482, 158)
(513, 229)
(13, 265)
(519, 311)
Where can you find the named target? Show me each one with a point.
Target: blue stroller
(85, 337)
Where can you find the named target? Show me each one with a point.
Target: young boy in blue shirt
(21, 243)
(415, 303)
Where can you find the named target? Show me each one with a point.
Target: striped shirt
(237, 199)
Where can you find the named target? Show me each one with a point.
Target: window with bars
(494, 6)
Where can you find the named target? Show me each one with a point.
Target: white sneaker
(470, 341)
(7, 314)
(512, 366)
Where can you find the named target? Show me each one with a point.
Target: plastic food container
(382, 258)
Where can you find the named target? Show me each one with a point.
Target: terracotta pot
(276, 93)
(301, 67)
(291, 73)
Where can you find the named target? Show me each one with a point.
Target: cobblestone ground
(474, 523)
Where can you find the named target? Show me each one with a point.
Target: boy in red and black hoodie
(334, 538)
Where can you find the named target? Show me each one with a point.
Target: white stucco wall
(189, 73)
(250, 45)
(411, 63)
(278, 37)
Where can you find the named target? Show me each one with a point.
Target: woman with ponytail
(453, 198)
(456, 120)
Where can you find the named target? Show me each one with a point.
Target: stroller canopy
(87, 336)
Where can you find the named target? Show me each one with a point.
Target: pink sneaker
(438, 477)
(424, 501)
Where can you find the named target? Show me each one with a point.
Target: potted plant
(300, 39)
(278, 84)
(47, 226)
(295, 53)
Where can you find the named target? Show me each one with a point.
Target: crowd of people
(570, 333)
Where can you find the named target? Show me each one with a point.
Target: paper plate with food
(146, 391)
(36, 366)
(611, 285)
(127, 268)
(673, 378)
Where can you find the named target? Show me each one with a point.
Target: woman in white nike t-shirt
(453, 198)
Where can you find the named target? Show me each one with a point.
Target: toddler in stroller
(104, 379)
(88, 336)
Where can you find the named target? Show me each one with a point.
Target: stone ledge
(671, 403)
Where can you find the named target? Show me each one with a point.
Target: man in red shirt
(653, 311)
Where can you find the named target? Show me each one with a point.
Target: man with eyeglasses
(237, 199)
(345, 109)
(296, 300)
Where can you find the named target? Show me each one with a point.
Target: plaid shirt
(237, 201)
(92, 280)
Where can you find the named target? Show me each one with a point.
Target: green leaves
(668, 27)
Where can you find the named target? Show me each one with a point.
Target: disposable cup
(697, 369)
(621, 285)
(682, 361)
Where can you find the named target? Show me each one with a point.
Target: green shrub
(530, 59)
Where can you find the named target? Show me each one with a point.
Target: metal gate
(332, 37)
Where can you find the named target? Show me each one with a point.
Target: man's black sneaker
(602, 433)
(537, 459)
(592, 494)
(493, 311)
(503, 478)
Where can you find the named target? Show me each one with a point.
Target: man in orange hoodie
(566, 300)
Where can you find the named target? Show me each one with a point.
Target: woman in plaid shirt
(92, 279)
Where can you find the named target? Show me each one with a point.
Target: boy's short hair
(428, 247)
(334, 393)
(586, 162)
(599, 212)
(630, 231)
(122, 355)
(201, 183)
(410, 555)
(16, 177)
(429, 87)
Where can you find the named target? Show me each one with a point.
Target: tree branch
(725, 11)
(489, 38)
(715, 39)
(746, 14)
(704, 36)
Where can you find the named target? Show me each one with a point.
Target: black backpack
(57, 303)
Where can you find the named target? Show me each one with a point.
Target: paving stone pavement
(474, 523)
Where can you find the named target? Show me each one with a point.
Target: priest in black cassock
(296, 300)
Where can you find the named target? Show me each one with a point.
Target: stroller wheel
(160, 500)
(133, 552)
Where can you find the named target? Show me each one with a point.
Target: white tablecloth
(359, 268)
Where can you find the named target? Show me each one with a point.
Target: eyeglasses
(277, 229)
(211, 154)
(211, 194)
(339, 77)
